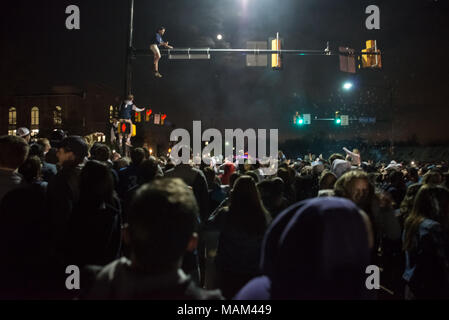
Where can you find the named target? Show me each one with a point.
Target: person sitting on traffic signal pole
(125, 112)
(158, 42)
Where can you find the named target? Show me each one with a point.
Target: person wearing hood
(229, 169)
(316, 249)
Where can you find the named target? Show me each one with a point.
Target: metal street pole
(129, 50)
(206, 51)
(392, 120)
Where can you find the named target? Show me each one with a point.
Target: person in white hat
(24, 133)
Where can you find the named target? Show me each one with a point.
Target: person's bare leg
(157, 57)
(120, 143)
(128, 136)
(156, 62)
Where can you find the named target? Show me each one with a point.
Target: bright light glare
(347, 85)
(219, 37)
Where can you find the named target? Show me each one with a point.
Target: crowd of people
(144, 228)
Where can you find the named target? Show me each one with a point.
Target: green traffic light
(300, 121)
(337, 121)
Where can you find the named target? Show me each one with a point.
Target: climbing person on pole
(158, 42)
(125, 113)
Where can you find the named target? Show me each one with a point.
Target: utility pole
(392, 120)
(129, 50)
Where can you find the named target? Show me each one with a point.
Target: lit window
(34, 117)
(57, 116)
(12, 116)
(12, 132)
(111, 113)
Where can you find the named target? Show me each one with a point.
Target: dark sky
(37, 52)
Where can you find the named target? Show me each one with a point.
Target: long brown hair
(431, 202)
(246, 210)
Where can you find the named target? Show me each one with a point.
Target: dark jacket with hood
(315, 249)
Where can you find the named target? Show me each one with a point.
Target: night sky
(38, 52)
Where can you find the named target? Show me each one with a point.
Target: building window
(12, 132)
(12, 116)
(111, 113)
(57, 116)
(34, 117)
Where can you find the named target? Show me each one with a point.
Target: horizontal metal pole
(247, 51)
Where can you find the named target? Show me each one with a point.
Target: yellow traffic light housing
(371, 60)
(137, 117)
(276, 59)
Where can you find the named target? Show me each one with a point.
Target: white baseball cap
(23, 132)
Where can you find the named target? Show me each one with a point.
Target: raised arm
(355, 157)
(352, 154)
(138, 109)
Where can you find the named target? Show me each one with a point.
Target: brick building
(77, 111)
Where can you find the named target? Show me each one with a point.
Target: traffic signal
(157, 118)
(137, 117)
(302, 119)
(347, 59)
(276, 58)
(163, 117)
(373, 61)
(337, 119)
(126, 128)
(148, 115)
(298, 119)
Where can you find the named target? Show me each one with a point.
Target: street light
(219, 37)
(347, 85)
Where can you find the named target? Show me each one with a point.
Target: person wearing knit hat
(317, 249)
